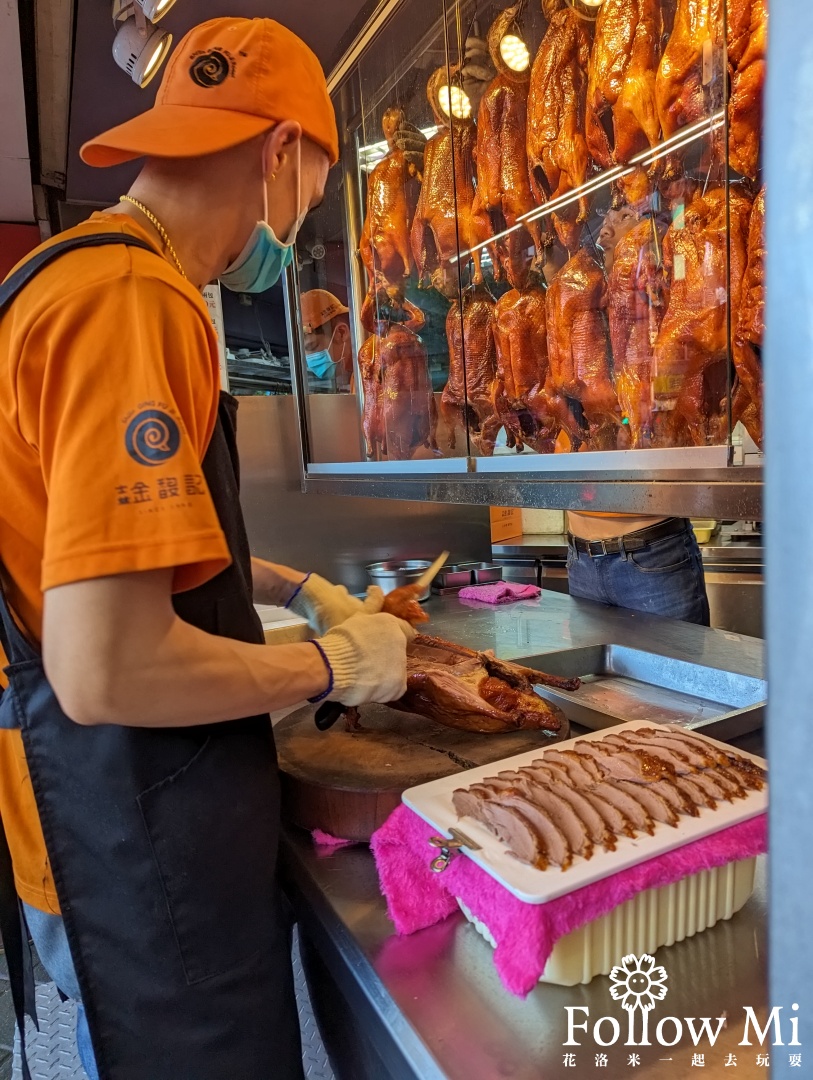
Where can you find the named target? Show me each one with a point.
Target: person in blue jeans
(642, 563)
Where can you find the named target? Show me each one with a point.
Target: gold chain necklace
(159, 228)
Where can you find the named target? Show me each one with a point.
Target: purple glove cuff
(297, 591)
(322, 696)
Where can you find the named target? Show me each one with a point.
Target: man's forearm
(273, 583)
(115, 652)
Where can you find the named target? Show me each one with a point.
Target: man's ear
(278, 144)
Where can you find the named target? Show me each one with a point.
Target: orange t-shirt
(109, 384)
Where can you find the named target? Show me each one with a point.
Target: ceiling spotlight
(141, 49)
(515, 53)
(151, 9)
(454, 101)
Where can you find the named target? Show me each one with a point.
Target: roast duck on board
(466, 689)
(393, 189)
(503, 182)
(557, 99)
(400, 414)
(446, 213)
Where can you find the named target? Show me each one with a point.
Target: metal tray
(620, 684)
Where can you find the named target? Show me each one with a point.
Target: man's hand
(273, 583)
(324, 605)
(366, 655)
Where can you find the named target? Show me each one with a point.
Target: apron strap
(13, 929)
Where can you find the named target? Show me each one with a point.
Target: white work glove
(324, 605)
(366, 655)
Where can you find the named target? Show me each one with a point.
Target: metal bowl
(393, 573)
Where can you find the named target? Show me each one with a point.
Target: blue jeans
(664, 578)
(51, 942)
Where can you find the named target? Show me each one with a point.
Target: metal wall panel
(788, 359)
(335, 535)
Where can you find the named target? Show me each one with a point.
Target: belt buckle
(597, 554)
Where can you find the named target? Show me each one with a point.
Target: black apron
(163, 845)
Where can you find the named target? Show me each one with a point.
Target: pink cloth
(526, 933)
(324, 839)
(500, 592)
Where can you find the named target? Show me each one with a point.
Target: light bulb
(454, 102)
(155, 9)
(515, 53)
(139, 53)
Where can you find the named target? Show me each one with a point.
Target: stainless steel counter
(431, 1005)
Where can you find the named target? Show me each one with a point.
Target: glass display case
(542, 251)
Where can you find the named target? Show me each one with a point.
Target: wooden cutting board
(348, 783)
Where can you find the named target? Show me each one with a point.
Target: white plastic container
(652, 918)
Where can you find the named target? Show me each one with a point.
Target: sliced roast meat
(549, 769)
(655, 805)
(466, 803)
(632, 810)
(624, 764)
(515, 831)
(557, 849)
(595, 824)
(680, 802)
(562, 814)
(696, 754)
(727, 780)
(572, 763)
(669, 756)
(711, 784)
(698, 795)
(748, 774)
(617, 821)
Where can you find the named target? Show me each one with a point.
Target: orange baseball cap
(227, 81)
(319, 306)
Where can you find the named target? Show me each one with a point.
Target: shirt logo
(152, 437)
(210, 69)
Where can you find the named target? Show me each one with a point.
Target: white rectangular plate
(433, 802)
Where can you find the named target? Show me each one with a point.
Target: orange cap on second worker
(318, 306)
(228, 80)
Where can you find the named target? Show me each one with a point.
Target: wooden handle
(428, 576)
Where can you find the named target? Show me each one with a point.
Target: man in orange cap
(139, 791)
(328, 346)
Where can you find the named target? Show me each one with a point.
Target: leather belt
(634, 541)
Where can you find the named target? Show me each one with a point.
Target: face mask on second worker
(264, 257)
(320, 362)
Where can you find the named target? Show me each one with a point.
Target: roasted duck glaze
(375, 437)
(520, 399)
(622, 114)
(691, 352)
(446, 213)
(747, 46)
(468, 395)
(392, 195)
(750, 328)
(569, 801)
(400, 414)
(637, 300)
(557, 99)
(503, 184)
(474, 691)
(578, 348)
(679, 91)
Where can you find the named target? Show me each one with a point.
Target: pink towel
(501, 592)
(326, 840)
(526, 933)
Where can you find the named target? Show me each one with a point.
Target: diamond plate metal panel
(52, 1049)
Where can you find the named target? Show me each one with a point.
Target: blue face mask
(264, 257)
(319, 363)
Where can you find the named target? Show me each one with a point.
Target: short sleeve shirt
(109, 382)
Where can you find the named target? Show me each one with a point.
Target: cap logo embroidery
(211, 68)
